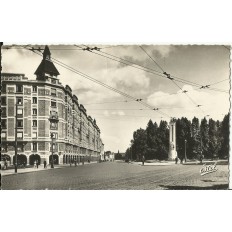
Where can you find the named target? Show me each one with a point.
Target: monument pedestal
(172, 155)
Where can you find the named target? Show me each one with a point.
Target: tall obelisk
(172, 140)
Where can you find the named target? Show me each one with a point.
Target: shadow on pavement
(212, 187)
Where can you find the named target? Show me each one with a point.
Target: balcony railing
(19, 115)
(53, 116)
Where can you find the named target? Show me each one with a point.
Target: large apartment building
(34, 111)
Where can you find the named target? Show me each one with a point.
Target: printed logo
(206, 169)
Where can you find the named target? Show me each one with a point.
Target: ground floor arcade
(25, 159)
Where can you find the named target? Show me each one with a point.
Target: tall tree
(183, 137)
(214, 139)
(225, 135)
(204, 136)
(151, 140)
(162, 140)
(139, 144)
(195, 139)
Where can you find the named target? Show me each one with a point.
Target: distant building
(44, 108)
(109, 156)
(119, 155)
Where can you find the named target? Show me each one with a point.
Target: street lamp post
(185, 157)
(16, 145)
(131, 154)
(52, 163)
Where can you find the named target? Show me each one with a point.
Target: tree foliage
(193, 138)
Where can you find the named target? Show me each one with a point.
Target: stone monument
(172, 140)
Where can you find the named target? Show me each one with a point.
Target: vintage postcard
(115, 117)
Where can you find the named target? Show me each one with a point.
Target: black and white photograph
(115, 117)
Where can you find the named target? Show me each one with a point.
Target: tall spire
(46, 53)
(46, 66)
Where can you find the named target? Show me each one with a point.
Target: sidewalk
(40, 168)
(168, 163)
(154, 164)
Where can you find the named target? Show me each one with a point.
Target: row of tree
(207, 137)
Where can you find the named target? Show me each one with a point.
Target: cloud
(16, 61)
(126, 80)
(163, 50)
(106, 113)
(179, 105)
(119, 113)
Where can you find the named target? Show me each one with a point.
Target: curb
(43, 169)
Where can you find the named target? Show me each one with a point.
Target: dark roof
(46, 52)
(46, 66)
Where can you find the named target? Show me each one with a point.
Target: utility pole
(16, 142)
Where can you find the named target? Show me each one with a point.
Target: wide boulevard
(119, 176)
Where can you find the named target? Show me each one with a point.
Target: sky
(117, 116)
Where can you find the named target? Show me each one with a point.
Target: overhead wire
(141, 67)
(109, 87)
(80, 48)
(226, 47)
(96, 103)
(129, 115)
(129, 63)
(219, 82)
(169, 77)
(9, 47)
(152, 58)
(101, 83)
(134, 65)
(146, 69)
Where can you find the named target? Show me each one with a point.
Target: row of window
(20, 135)
(19, 101)
(19, 124)
(20, 147)
(19, 112)
(19, 89)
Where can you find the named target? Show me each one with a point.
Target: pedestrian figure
(83, 162)
(35, 164)
(181, 160)
(45, 164)
(24, 164)
(143, 159)
(78, 160)
(176, 159)
(201, 158)
(5, 164)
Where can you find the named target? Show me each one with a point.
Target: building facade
(45, 117)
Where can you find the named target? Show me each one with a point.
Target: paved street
(119, 176)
